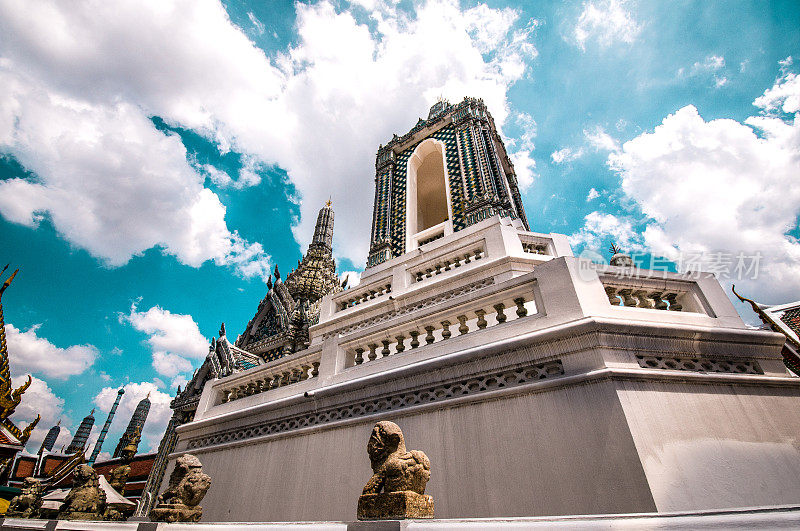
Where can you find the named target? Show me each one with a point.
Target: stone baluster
(611, 293)
(462, 326)
(419, 276)
(429, 336)
(446, 330)
(400, 345)
(414, 338)
(501, 317)
(315, 369)
(457, 261)
(296, 375)
(644, 300)
(522, 311)
(447, 265)
(658, 299)
(359, 356)
(385, 351)
(428, 273)
(467, 258)
(674, 305)
(481, 321)
(372, 354)
(627, 297)
(304, 374)
(478, 254)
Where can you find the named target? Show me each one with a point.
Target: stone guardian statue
(28, 503)
(187, 487)
(86, 500)
(396, 489)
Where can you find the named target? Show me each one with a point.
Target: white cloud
(601, 140)
(157, 418)
(593, 194)
(34, 354)
(783, 96)
(257, 24)
(605, 21)
(718, 185)
(566, 155)
(39, 399)
(710, 63)
(310, 110)
(179, 380)
(598, 226)
(175, 339)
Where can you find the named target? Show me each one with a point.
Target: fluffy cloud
(605, 21)
(598, 226)
(593, 194)
(39, 399)
(566, 155)
(157, 418)
(33, 354)
(175, 339)
(311, 110)
(726, 187)
(600, 140)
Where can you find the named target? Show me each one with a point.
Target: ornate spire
(323, 231)
(10, 397)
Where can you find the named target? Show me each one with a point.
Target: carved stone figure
(397, 486)
(118, 477)
(28, 503)
(86, 500)
(187, 487)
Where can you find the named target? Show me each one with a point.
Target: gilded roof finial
(328, 203)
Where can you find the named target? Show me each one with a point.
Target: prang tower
(455, 164)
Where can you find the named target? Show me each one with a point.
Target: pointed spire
(222, 330)
(269, 282)
(323, 231)
(277, 273)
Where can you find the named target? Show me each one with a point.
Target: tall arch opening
(429, 211)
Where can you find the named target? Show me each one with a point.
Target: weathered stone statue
(86, 500)
(28, 503)
(400, 475)
(118, 477)
(187, 486)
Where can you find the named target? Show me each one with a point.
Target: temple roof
(784, 319)
(280, 325)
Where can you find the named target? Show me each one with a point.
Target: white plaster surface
(715, 446)
(562, 452)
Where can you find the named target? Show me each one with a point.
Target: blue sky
(158, 158)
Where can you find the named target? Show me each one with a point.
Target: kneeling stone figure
(399, 473)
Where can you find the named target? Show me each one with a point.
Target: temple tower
(50, 438)
(449, 172)
(82, 435)
(135, 425)
(99, 444)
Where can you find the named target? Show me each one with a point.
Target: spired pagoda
(536, 382)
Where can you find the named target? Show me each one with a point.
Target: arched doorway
(428, 205)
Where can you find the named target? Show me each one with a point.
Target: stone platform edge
(779, 516)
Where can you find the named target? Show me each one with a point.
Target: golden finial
(328, 203)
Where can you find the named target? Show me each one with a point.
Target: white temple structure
(536, 382)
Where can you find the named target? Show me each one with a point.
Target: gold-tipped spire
(10, 397)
